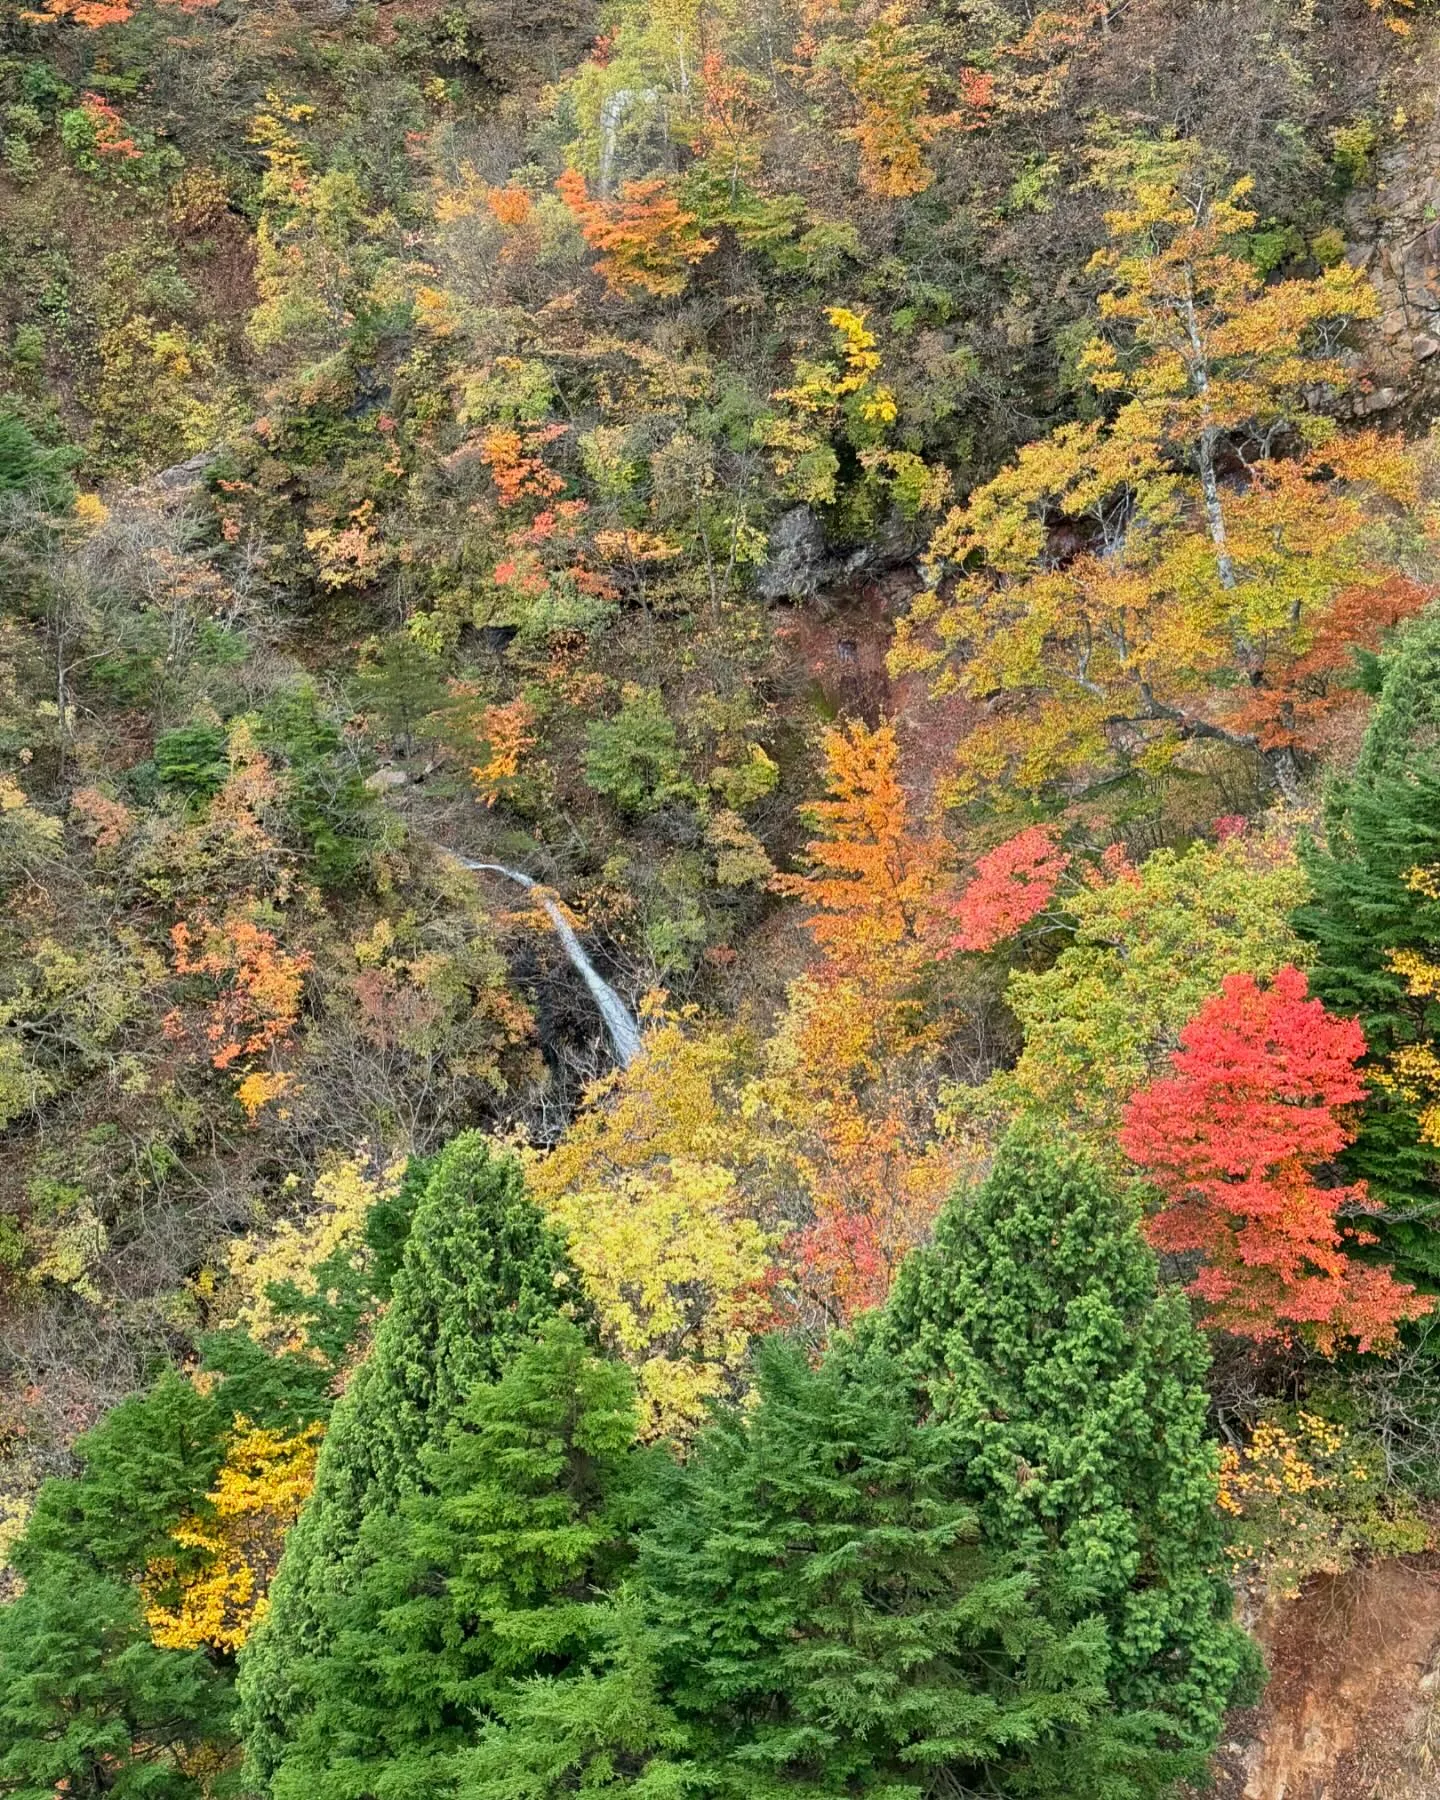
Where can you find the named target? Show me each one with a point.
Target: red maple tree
(1232, 1139)
(1013, 882)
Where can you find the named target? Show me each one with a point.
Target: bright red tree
(1232, 1138)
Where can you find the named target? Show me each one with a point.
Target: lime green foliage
(1076, 1392)
(85, 1699)
(480, 1273)
(633, 759)
(1151, 943)
(1405, 726)
(148, 1463)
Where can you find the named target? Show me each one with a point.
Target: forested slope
(915, 523)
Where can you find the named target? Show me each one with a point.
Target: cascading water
(619, 1020)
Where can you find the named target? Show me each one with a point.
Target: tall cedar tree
(1374, 922)
(471, 1590)
(1075, 1392)
(481, 1271)
(146, 1464)
(828, 1619)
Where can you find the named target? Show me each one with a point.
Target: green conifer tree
(494, 1575)
(89, 1706)
(1376, 903)
(146, 1464)
(1075, 1394)
(1405, 726)
(481, 1272)
(830, 1619)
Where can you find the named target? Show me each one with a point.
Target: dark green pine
(1381, 826)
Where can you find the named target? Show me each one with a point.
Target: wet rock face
(802, 562)
(798, 564)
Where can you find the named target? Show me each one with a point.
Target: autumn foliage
(849, 1081)
(112, 139)
(872, 878)
(1012, 884)
(645, 238)
(1233, 1139)
(212, 1593)
(256, 985)
(94, 14)
(1307, 697)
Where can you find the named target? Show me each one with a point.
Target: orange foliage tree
(645, 237)
(872, 879)
(256, 989)
(848, 1084)
(1309, 694)
(258, 985)
(94, 14)
(888, 79)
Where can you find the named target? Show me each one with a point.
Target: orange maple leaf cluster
(645, 237)
(258, 985)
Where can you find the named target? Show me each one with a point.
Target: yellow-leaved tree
(211, 1594)
(1126, 585)
(651, 1185)
(288, 1254)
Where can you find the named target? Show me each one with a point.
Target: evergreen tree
(480, 1273)
(1074, 1393)
(1374, 923)
(830, 1619)
(468, 1591)
(146, 1464)
(89, 1706)
(28, 469)
(1405, 726)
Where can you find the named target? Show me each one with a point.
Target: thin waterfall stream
(619, 1020)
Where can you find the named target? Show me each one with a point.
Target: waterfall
(619, 1020)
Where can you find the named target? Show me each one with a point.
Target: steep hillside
(910, 527)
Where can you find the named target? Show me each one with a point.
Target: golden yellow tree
(678, 1273)
(1127, 582)
(213, 1592)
